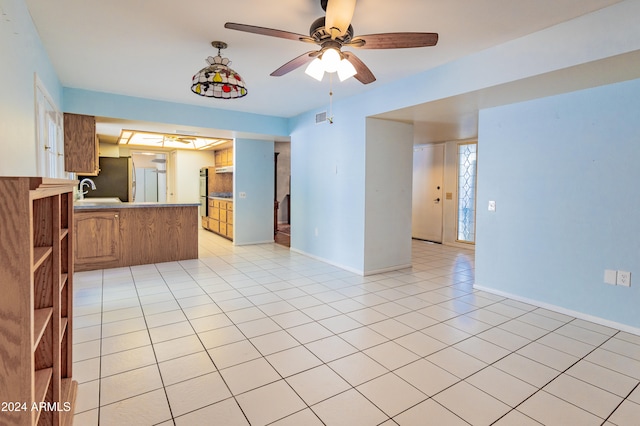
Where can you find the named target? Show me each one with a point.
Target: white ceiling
(152, 49)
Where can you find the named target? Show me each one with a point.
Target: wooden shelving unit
(36, 270)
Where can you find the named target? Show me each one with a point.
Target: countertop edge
(103, 206)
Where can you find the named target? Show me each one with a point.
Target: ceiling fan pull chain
(330, 119)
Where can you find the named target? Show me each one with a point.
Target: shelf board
(63, 233)
(40, 254)
(42, 379)
(40, 320)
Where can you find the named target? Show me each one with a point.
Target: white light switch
(492, 206)
(610, 276)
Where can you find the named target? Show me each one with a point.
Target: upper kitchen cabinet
(224, 157)
(80, 144)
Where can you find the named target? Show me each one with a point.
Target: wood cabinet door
(97, 236)
(80, 144)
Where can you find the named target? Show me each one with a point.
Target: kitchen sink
(99, 200)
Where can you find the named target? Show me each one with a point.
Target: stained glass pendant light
(218, 80)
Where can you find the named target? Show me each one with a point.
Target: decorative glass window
(467, 158)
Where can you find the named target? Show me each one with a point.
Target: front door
(428, 176)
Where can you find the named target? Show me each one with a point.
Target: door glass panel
(467, 156)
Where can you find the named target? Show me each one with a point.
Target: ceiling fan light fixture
(218, 80)
(315, 69)
(346, 70)
(331, 60)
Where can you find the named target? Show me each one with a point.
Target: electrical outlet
(624, 278)
(492, 206)
(610, 276)
(243, 195)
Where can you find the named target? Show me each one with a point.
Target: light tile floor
(261, 335)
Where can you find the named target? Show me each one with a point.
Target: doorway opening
(282, 191)
(149, 176)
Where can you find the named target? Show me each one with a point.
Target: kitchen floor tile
(196, 393)
(274, 342)
(129, 384)
(391, 394)
(335, 331)
(627, 413)
(420, 344)
(357, 368)
(604, 378)
(391, 355)
(349, 408)
(249, 375)
(149, 408)
(317, 384)
(427, 377)
(363, 337)
(330, 348)
(185, 368)
(527, 370)
(221, 336)
(270, 403)
(481, 349)
(550, 410)
(305, 417)
(127, 360)
(548, 356)
(456, 362)
(502, 386)
(224, 412)
(88, 396)
(233, 353)
(171, 331)
(292, 361)
(470, 403)
(177, 347)
(210, 322)
(586, 396)
(429, 413)
(258, 327)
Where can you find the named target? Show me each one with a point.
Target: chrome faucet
(88, 182)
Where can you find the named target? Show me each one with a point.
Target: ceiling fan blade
(295, 63)
(268, 32)
(394, 40)
(363, 73)
(339, 15)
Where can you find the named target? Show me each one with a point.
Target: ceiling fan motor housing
(318, 32)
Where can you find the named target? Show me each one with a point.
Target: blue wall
(132, 108)
(23, 56)
(253, 176)
(564, 173)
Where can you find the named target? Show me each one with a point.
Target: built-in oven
(204, 205)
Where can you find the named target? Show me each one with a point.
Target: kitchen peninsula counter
(112, 235)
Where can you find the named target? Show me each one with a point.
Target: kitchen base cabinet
(112, 238)
(36, 305)
(221, 217)
(98, 239)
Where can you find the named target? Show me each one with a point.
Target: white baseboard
(560, 309)
(252, 243)
(346, 268)
(389, 269)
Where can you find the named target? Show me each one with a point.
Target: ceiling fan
(161, 139)
(332, 32)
